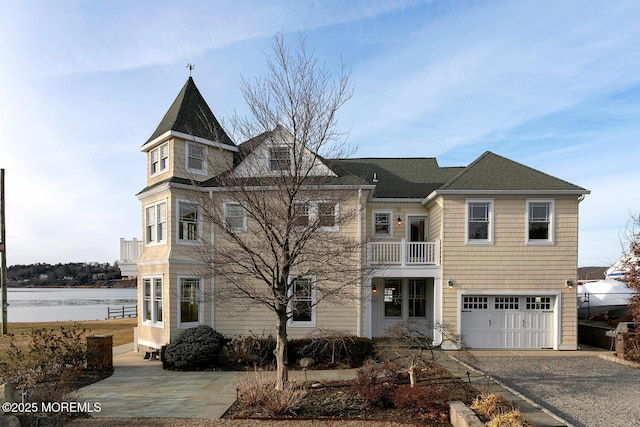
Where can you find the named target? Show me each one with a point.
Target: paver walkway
(141, 388)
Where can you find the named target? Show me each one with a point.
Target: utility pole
(3, 255)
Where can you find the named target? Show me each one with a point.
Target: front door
(405, 300)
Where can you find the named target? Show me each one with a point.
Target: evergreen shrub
(194, 349)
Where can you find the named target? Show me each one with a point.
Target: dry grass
(121, 329)
(490, 405)
(259, 391)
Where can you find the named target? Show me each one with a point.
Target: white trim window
(382, 225)
(152, 301)
(235, 217)
(188, 225)
(159, 160)
(302, 303)
(540, 221)
(323, 213)
(479, 221)
(196, 158)
(191, 307)
(156, 223)
(279, 158)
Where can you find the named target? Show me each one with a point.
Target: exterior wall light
(399, 221)
(570, 284)
(450, 283)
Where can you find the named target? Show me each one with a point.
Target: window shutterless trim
(490, 226)
(312, 299)
(550, 240)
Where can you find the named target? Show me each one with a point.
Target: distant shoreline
(123, 283)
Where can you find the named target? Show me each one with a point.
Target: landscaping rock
(306, 362)
(462, 416)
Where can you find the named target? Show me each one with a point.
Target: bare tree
(631, 263)
(285, 222)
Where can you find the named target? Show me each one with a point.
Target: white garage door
(507, 321)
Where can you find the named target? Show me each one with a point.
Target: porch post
(403, 252)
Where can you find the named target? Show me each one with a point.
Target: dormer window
(159, 159)
(196, 158)
(279, 158)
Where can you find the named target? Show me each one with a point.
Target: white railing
(130, 250)
(404, 253)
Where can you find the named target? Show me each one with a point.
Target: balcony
(130, 251)
(404, 253)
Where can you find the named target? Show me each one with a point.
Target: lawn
(121, 329)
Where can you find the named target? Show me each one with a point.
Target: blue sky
(553, 85)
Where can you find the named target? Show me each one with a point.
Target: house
(488, 251)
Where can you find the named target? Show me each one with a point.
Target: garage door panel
(507, 322)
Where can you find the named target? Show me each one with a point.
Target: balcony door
(417, 238)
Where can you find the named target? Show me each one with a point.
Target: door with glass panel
(417, 249)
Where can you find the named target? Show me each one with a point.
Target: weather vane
(190, 67)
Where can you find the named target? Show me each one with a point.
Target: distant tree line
(70, 274)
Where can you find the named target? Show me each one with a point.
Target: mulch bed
(336, 400)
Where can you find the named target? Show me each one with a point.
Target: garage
(507, 321)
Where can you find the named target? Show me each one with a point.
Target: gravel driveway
(585, 391)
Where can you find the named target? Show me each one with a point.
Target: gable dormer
(189, 142)
(275, 153)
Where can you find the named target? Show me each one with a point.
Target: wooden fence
(122, 312)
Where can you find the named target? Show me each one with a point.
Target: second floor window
(382, 224)
(279, 158)
(479, 221)
(235, 217)
(322, 214)
(540, 221)
(156, 223)
(159, 159)
(196, 158)
(187, 221)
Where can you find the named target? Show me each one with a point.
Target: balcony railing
(404, 253)
(130, 250)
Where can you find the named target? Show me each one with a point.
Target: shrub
(427, 402)
(376, 383)
(195, 348)
(513, 418)
(332, 350)
(249, 351)
(631, 349)
(260, 392)
(48, 368)
(490, 405)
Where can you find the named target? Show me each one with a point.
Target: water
(50, 305)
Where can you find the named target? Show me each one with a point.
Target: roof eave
(434, 194)
(172, 133)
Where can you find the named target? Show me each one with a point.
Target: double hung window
(540, 215)
(382, 224)
(235, 217)
(187, 221)
(479, 221)
(152, 300)
(156, 223)
(319, 213)
(196, 158)
(159, 159)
